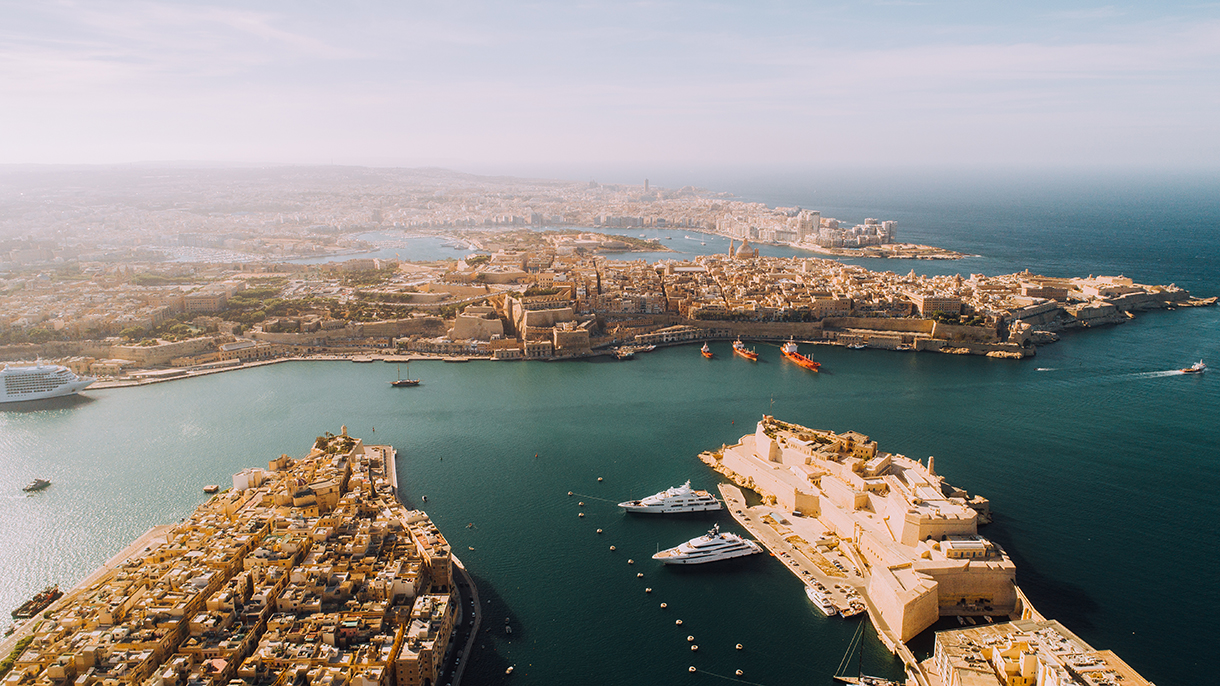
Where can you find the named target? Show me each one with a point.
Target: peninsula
(307, 572)
(887, 531)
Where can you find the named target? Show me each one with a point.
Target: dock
(782, 537)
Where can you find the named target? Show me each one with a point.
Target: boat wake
(1156, 375)
(1045, 369)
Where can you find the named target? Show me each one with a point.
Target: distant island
(100, 294)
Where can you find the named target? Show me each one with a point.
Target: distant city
(100, 277)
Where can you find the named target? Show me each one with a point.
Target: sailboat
(407, 381)
(860, 679)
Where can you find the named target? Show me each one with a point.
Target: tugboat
(36, 485)
(38, 603)
(1196, 368)
(707, 352)
(405, 382)
(740, 348)
(789, 350)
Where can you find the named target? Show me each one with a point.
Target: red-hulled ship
(789, 351)
(740, 348)
(707, 352)
(38, 603)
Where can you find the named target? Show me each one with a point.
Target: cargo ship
(38, 603)
(740, 348)
(707, 352)
(789, 351)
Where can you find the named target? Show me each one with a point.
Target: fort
(842, 513)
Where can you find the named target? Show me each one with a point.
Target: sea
(1097, 455)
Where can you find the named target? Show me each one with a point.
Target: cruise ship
(677, 499)
(38, 382)
(710, 547)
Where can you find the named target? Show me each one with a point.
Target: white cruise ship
(710, 547)
(677, 499)
(39, 381)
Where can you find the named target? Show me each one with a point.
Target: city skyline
(595, 87)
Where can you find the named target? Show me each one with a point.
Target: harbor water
(1096, 456)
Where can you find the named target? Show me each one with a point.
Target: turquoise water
(1096, 457)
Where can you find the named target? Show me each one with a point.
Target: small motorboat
(707, 352)
(1196, 368)
(36, 485)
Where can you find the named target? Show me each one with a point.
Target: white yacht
(39, 381)
(822, 602)
(677, 499)
(708, 548)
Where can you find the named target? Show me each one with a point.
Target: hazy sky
(517, 85)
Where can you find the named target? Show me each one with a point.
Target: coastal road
(466, 583)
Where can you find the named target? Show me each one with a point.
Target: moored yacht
(822, 602)
(710, 547)
(677, 499)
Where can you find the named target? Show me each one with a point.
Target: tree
(133, 333)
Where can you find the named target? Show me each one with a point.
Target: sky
(537, 86)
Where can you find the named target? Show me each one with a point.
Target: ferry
(707, 352)
(789, 350)
(740, 348)
(36, 485)
(38, 382)
(820, 601)
(677, 499)
(710, 547)
(1196, 368)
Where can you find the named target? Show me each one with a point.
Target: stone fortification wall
(957, 332)
(776, 330)
(394, 327)
(924, 326)
(154, 355)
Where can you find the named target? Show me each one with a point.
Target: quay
(309, 572)
(886, 529)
